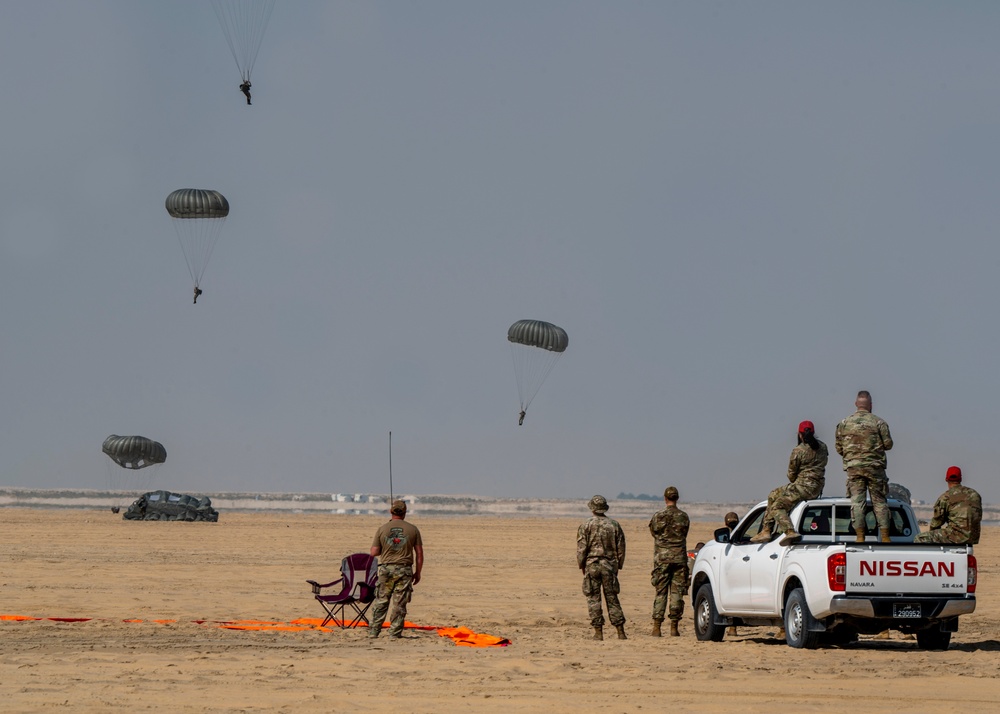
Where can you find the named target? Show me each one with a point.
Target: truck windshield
(751, 527)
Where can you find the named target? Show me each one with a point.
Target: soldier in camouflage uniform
(600, 554)
(806, 476)
(669, 528)
(732, 519)
(863, 439)
(958, 513)
(397, 545)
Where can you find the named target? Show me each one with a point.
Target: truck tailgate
(907, 571)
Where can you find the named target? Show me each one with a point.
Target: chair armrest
(316, 587)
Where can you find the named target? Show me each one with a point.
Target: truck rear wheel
(933, 639)
(799, 622)
(705, 615)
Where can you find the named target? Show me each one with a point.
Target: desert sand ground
(512, 577)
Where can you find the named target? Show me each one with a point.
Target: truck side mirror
(722, 535)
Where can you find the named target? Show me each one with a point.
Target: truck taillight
(973, 572)
(836, 571)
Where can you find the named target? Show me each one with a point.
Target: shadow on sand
(887, 645)
(984, 646)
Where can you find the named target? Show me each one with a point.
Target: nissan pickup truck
(827, 588)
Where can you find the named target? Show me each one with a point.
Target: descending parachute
(535, 347)
(134, 452)
(198, 218)
(131, 458)
(243, 23)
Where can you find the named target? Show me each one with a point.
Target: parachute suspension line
(531, 368)
(184, 251)
(218, 6)
(243, 23)
(198, 239)
(128, 484)
(211, 237)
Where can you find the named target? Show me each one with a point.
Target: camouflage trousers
(787, 498)
(671, 582)
(768, 523)
(941, 535)
(395, 586)
(870, 482)
(601, 575)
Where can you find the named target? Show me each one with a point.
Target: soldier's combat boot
(621, 632)
(790, 538)
(731, 631)
(656, 629)
(763, 537)
(860, 533)
(673, 629)
(884, 537)
(598, 633)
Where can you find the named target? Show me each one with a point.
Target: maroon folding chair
(358, 581)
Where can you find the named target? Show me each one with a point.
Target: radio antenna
(390, 468)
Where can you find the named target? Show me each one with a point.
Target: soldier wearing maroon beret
(958, 513)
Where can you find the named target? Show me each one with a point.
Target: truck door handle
(774, 556)
(746, 558)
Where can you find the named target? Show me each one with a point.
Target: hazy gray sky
(741, 213)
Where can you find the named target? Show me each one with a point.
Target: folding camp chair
(359, 578)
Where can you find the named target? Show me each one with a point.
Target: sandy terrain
(512, 577)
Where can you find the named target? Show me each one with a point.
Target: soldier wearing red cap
(958, 513)
(806, 476)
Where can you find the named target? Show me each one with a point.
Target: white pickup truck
(826, 589)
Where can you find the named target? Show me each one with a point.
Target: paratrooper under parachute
(535, 347)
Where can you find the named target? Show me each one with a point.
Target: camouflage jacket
(959, 512)
(806, 462)
(863, 439)
(600, 538)
(669, 528)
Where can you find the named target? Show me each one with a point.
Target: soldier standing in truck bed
(862, 440)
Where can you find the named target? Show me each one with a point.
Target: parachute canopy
(243, 23)
(535, 347)
(535, 333)
(199, 215)
(167, 506)
(197, 203)
(134, 452)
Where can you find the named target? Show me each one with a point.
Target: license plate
(906, 609)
